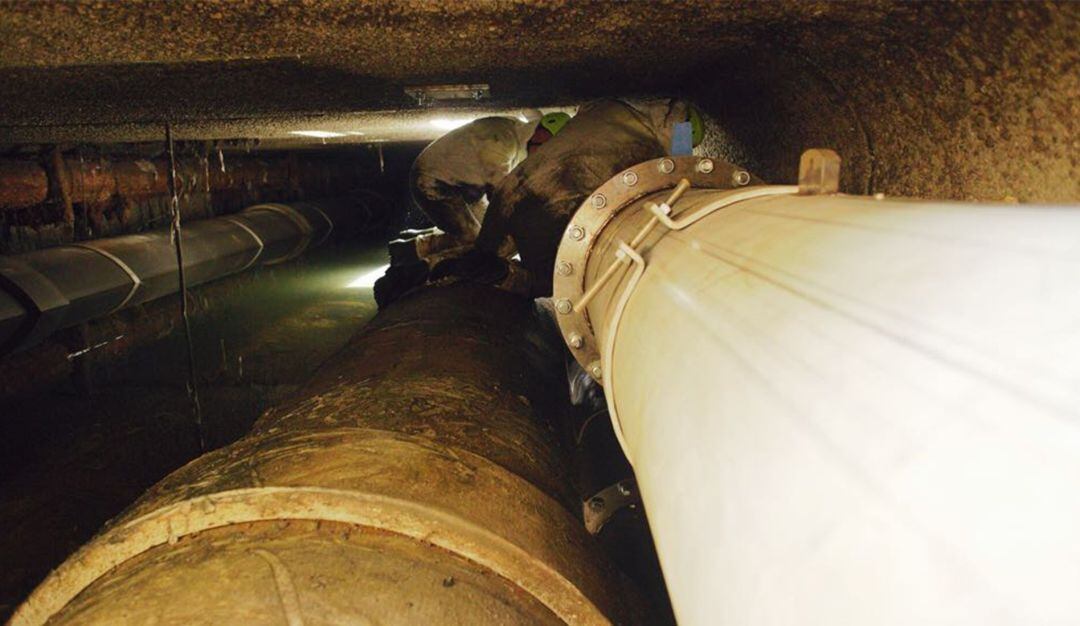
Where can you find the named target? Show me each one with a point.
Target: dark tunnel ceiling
(237, 66)
(999, 80)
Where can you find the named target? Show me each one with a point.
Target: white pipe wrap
(849, 411)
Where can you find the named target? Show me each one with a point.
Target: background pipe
(25, 184)
(415, 479)
(47, 290)
(840, 410)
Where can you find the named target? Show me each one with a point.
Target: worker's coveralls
(451, 176)
(533, 204)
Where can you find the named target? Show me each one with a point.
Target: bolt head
(596, 371)
(576, 341)
(577, 233)
(705, 166)
(630, 179)
(740, 178)
(599, 201)
(564, 306)
(564, 268)
(623, 489)
(596, 504)
(666, 166)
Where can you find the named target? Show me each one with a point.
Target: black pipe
(47, 290)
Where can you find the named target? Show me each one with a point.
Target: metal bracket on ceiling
(430, 94)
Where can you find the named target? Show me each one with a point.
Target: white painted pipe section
(843, 410)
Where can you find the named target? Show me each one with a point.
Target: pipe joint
(662, 183)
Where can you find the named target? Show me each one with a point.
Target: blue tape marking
(682, 139)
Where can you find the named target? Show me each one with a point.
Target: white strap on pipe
(293, 216)
(627, 254)
(136, 282)
(254, 236)
(329, 222)
(725, 200)
(286, 211)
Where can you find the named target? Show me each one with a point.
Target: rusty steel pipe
(413, 480)
(98, 180)
(839, 409)
(22, 184)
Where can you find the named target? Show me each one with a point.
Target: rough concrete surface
(970, 101)
(954, 100)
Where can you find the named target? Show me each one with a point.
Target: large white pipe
(844, 410)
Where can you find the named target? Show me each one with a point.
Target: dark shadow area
(77, 454)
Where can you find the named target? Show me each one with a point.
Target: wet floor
(89, 453)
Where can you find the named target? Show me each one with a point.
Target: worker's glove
(475, 266)
(402, 252)
(398, 281)
(431, 246)
(485, 268)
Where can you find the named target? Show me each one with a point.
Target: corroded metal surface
(23, 183)
(392, 579)
(52, 197)
(460, 374)
(427, 430)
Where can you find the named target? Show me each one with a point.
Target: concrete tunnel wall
(957, 100)
(938, 101)
(951, 101)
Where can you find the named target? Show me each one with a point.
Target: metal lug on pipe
(602, 506)
(819, 172)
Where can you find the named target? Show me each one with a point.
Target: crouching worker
(532, 205)
(450, 182)
(451, 179)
